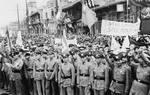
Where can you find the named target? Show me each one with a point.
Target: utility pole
(27, 17)
(56, 6)
(18, 17)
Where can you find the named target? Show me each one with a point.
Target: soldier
(51, 68)
(29, 72)
(38, 73)
(83, 75)
(66, 76)
(76, 61)
(140, 85)
(120, 85)
(16, 73)
(100, 75)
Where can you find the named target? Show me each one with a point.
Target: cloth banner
(88, 16)
(119, 28)
(19, 41)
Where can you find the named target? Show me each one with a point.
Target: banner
(119, 28)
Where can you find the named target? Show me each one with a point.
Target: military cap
(82, 48)
(44, 52)
(72, 45)
(119, 56)
(27, 54)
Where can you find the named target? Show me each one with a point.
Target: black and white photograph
(74, 47)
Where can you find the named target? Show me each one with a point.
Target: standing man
(83, 75)
(100, 75)
(51, 67)
(16, 73)
(66, 75)
(141, 84)
(29, 72)
(120, 85)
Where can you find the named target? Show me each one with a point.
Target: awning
(109, 4)
(71, 4)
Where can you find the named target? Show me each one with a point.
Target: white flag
(125, 44)
(115, 46)
(19, 41)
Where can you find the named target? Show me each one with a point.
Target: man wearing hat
(100, 74)
(120, 85)
(16, 73)
(38, 73)
(75, 60)
(66, 75)
(83, 75)
(141, 83)
(29, 72)
(51, 67)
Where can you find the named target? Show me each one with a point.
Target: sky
(8, 10)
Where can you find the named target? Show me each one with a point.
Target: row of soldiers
(78, 71)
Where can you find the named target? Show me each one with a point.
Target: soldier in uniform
(66, 75)
(16, 73)
(141, 83)
(29, 72)
(100, 75)
(83, 75)
(38, 73)
(120, 85)
(51, 67)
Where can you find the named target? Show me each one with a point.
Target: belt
(40, 70)
(120, 82)
(29, 69)
(66, 77)
(16, 71)
(50, 70)
(84, 75)
(140, 81)
(99, 78)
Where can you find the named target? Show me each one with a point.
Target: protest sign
(119, 28)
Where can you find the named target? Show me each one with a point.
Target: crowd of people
(77, 71)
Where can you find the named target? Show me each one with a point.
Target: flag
(125, 44)
(88, 16)
(58, 15)
(8, 40)
(115, 46)
(19, 41)
(64, 42)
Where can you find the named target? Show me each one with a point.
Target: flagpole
(18, 17)
(27, 16)
(127, 9)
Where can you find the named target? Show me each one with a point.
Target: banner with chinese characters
(119, 28)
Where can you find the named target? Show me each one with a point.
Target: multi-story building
(115, 10)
